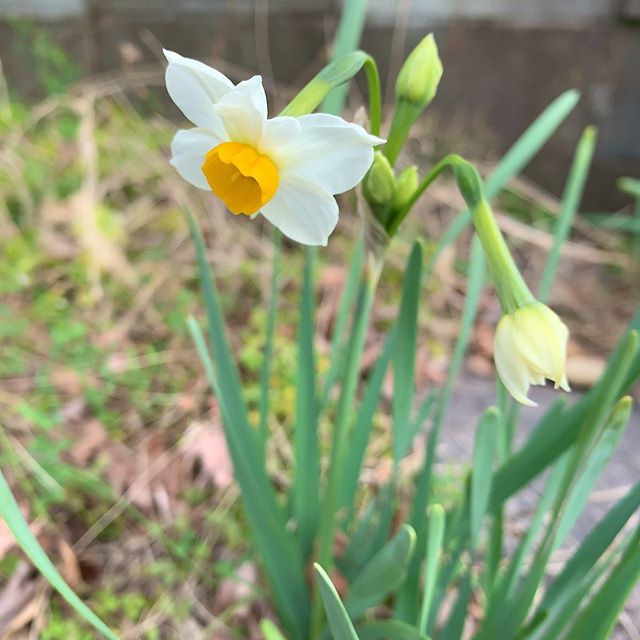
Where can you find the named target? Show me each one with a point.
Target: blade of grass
(483, 457)
(364, 422)
(386, 629)
(306, 482)
(592, 548)
(278, 551)
(11, 514)
(336, 354)
(347, 39)
(404, 356)
(512, 163)
(597, 619)
(382, 575)
(408, 598)
(339, 621)
(570, 202)
(265, 373)
(435, 536)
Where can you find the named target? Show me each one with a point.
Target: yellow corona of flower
(287, 169)
(530, 346)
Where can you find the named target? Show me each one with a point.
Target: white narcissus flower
(530, 345)
(285, 168)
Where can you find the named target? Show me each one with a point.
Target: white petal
(303, 211)
(188, 150)
(279, 132)
(243, 111)
(511, 368)
(330, 152)
(195, 88)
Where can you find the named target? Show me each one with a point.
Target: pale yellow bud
(530, 346)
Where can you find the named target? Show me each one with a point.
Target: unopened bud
(406, 185)
(379, 183)
(420, 74)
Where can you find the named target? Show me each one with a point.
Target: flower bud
(379, 181)
(405, 187)
(530, 345)
(420, 74)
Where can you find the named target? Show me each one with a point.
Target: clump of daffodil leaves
(418, 580)
(288, 169)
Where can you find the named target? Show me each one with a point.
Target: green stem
(404, 116)
(375, 99)
(340, 434)
(265, 374)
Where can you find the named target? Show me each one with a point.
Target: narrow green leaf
(339, 622)
(346, 40)
(512, 163)
(560, 428)
(389, 629)
(11, 514)
(337, 72)
(570, 202)
(278, 551)
(270, 631)
(597, 619)
(593, 466)
(382, 575)
(613, 221)
(592, 547)
(337, 354)
(484, 452)
(408, 598)
(265, 373)
(454, 626)
(435, 536)
(404, 356)
(306, 484)
(508, 617)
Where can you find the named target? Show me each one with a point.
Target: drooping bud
(420, 74)
(530, 346)
(379, 181)
(406, 185)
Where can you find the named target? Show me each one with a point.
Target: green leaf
(278, 550)
(408, 598)
(435, 536)
(454, 626)
(561, 429)
(387, 629)
(265, 373)
(483, 456)
(597, 619)
(404, 356)
(337, 353)
(382, 575)
(337, 72)
(590, 470)
(339, 622)
(570, 202)
(592, 548)
(11, 514)
(306, 483)
(270, 631)
(346, 40)
(512, 163)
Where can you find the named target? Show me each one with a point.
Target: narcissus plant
(286, 168)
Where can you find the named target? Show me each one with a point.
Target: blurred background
(109, 435)
(504, 61)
